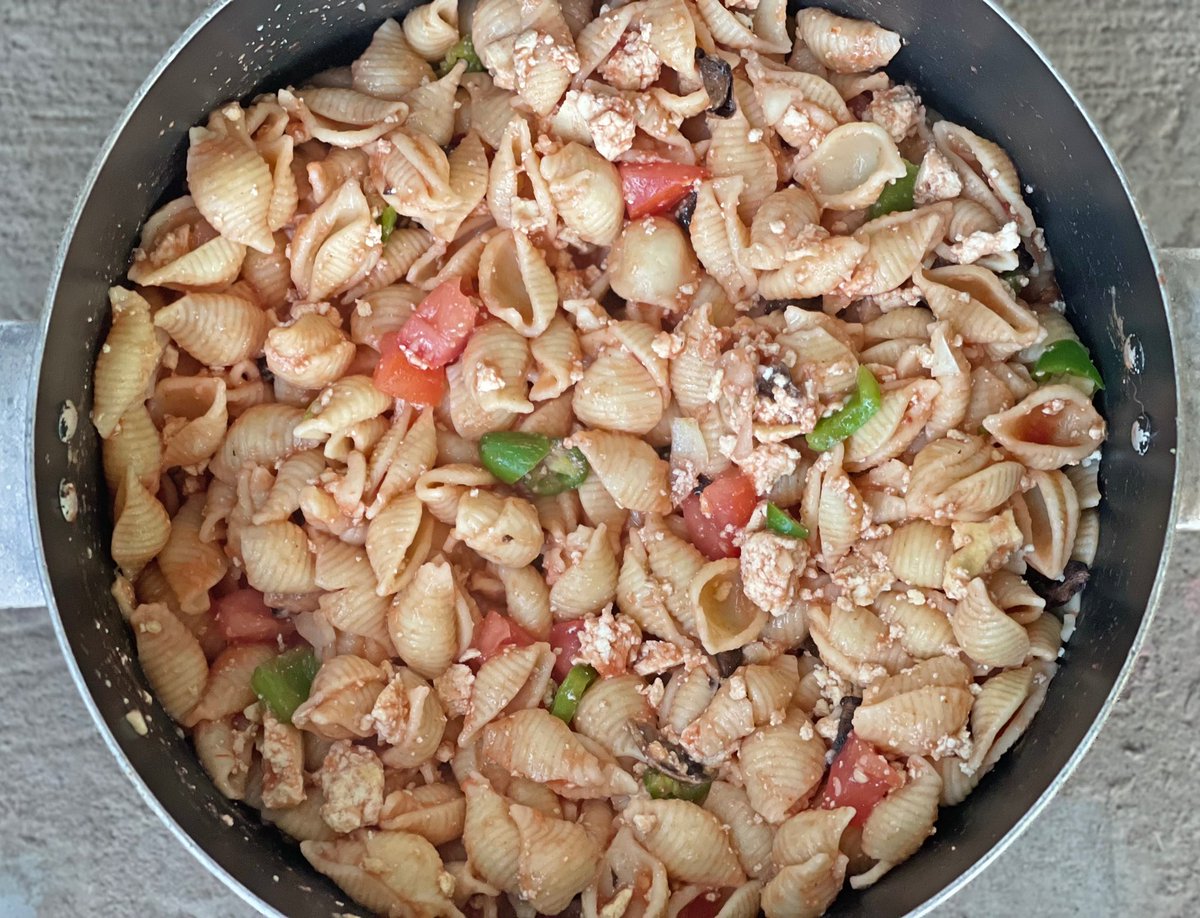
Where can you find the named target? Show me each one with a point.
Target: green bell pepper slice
(834, 428)
(283, 683)
(464, 50)
(387, 222)
(1070, 357)
(510, 455)
(663, 787)
(896, 196)
(566, 699)
(782, 523)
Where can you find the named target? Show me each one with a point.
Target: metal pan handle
(20, 582)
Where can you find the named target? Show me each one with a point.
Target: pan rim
(942, 896)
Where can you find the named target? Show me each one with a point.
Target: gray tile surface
(76, 839)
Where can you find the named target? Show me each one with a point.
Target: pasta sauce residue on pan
(625, 463)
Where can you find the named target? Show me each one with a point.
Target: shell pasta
(636, 463)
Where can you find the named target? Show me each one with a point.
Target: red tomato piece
(653, 188)
(859, 777)
(496, 632)
(243, 618)
(564, 641)
(437, 331)
(705, 905)
(718, 513)
(398, 377)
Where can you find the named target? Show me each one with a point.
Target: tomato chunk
(496, 632)
(398, 377)
(564, 641)
(243, 617)
(716, 515)
(437, 331)
(653, 188)
(859, 777)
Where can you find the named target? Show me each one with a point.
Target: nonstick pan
(970, 63)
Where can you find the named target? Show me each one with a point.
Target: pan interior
(968, 63)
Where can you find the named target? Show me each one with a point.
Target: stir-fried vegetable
(283, 683)
(717, 77)
(656, 187)
(566, 699)
(716, 515)
(387, 222)
(898, 195)
(541, 464)
(662, 787)
(834, 428)
(1016, 280)
(782, 523)
(1070, 357)
(464, 50)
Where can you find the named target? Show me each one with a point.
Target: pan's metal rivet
(1133, 355)
(68, 501)
(1141, 433)
(68, 421)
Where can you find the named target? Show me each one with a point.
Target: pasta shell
(846, 45)
(651, 262)
(436, 812)
(689, 841)
(558, 859)
(398, 540)
(231, 185)
(998, 701)
(980, 307)
(889, 432)
(335, 246)
(516, 285)
(504, 530)
(901, 822)
(225, 754)
(586, 192)
(1048, 515)
(348, 401)
(725, 618)
(719, 237)
(340, 116)
(189, 565)
(195, 414)
(431, 621)
(409, 718)
(629, 469)
(618, 393)
(911, 713)
(897, 243)
(141, 526)
(627, 873)
(985, 633)
(1054, 426)
(431, 105)
(341, 698)
(733, 150)
(389, 68)
(228, 688)
(126, 361)
(513, 679)
(782, 766)
(170, 657)
(731, 32)
(277, 559)
(851, 166)
(431, 30)
(133, 444)
(589, 582)
(218, 329)
(310, 353)
(989, 176)
(260, 436)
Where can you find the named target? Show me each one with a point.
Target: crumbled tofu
(610, 119)
(137, 720)
(767, 463)
(607, 643)
(352, 780)
(633, 63)
(588, 314)
(981, 244)
(282, 752)
(936, 180)
(454, 687)
(897, 110)
(771, 567)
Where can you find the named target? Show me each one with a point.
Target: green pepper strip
(833, 429)
(897, 196)
(1016, 280)
(664, 787)
(782, 523)
(562, 470)
(463, 51)
(511, 455)
(1067, 356)
(566, 699)
(387, 222)
(283, 684)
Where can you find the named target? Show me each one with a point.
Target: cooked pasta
(604, 461)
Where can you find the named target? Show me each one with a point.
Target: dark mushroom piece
(684, 210)
(728, 661)
(1058, 592)
(718, 83)
(670, 758)
(764, 307)
(849, 705)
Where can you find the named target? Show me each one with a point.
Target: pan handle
(20, 582)
(1182, 270)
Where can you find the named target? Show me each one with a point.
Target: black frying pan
(970, 62)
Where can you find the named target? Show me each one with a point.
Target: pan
(970, 62)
